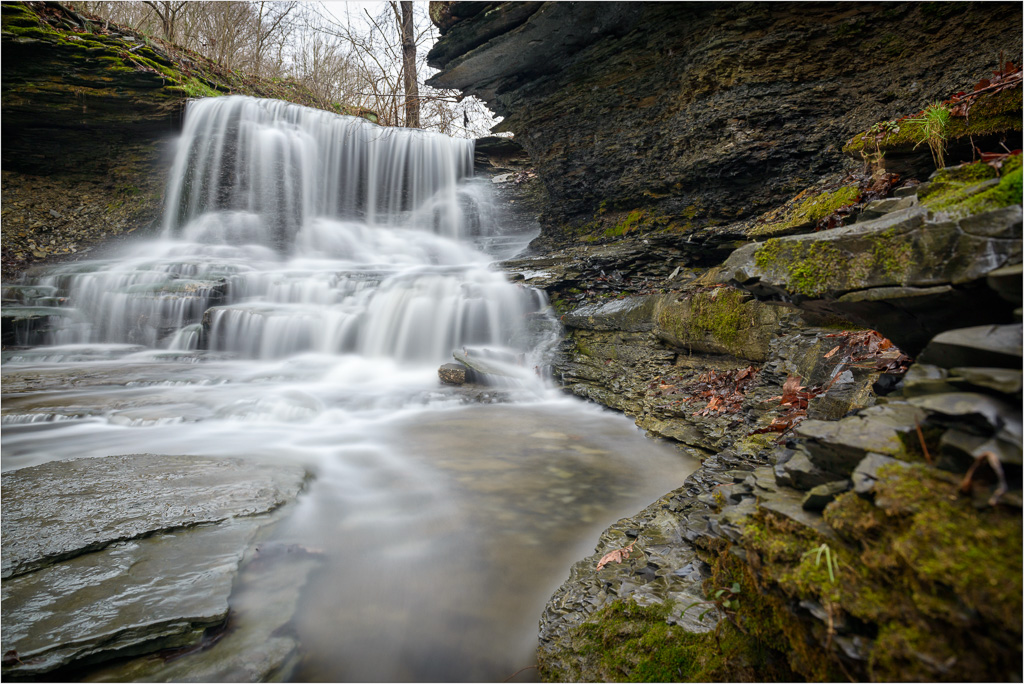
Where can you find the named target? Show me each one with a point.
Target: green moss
(957, 191)
(922, 568)
(990, 113)
(891, 255)
(811, 268)
(625, 642)
(632, 222)
(804, 212)
(934, 573)
(193, 87)
(717, 314)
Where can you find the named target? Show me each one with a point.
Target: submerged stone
(124, 555)
(133, 597)
(258, 646)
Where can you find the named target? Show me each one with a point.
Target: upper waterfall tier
(289, 164)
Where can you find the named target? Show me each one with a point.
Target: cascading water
(313, 272)
(291, 230)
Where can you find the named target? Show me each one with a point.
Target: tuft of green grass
(933, 130)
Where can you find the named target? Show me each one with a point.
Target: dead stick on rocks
(523, 669)
(924, 447)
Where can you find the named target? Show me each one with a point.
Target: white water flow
(313, 273)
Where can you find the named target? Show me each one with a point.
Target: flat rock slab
(131, 598)
(63, 509)
(997, 346)
(258, 646)
(838, 446)
(123, 555)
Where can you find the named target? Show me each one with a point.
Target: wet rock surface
(120, 498)
(126, 555)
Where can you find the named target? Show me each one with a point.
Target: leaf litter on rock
(860, 346)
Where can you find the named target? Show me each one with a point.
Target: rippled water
(296, 310)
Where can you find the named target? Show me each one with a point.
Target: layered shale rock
(704, 113)
(127, 555)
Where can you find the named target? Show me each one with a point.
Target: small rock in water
(452, 373)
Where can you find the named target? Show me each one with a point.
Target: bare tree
(412, 93)
(349, 57)
(168, 13)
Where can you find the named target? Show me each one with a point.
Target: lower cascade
(247, 443)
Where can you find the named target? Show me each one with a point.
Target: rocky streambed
(845, 487)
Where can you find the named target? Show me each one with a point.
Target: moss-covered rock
(719, 321)
(805, 211)
(908, 274)
(625, 642)
(974, 188)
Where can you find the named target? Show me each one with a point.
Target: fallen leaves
(724, 391)
(616, 556)
(857, 346)
(1007, 76)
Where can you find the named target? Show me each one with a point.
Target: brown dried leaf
(618, 555)
(790, 389)
(832, 351)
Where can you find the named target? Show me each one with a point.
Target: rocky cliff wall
(704, 113)
(722, 272)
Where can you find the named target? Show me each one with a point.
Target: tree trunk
(412, 91)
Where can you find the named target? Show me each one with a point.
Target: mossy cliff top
(127, 57)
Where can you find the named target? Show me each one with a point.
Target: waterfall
(290, 230)
(312, 273)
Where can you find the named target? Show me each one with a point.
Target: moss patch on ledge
(963, 190)
(625, 642)
(805, 210)
(812, 268)
(991, 113)
(815, 268)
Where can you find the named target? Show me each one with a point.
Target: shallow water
(443, 526)
(314, 273)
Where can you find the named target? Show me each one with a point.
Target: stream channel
(313, 272)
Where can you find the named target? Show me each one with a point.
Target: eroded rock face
(125, 555)
(705, 112)
(909, 273)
